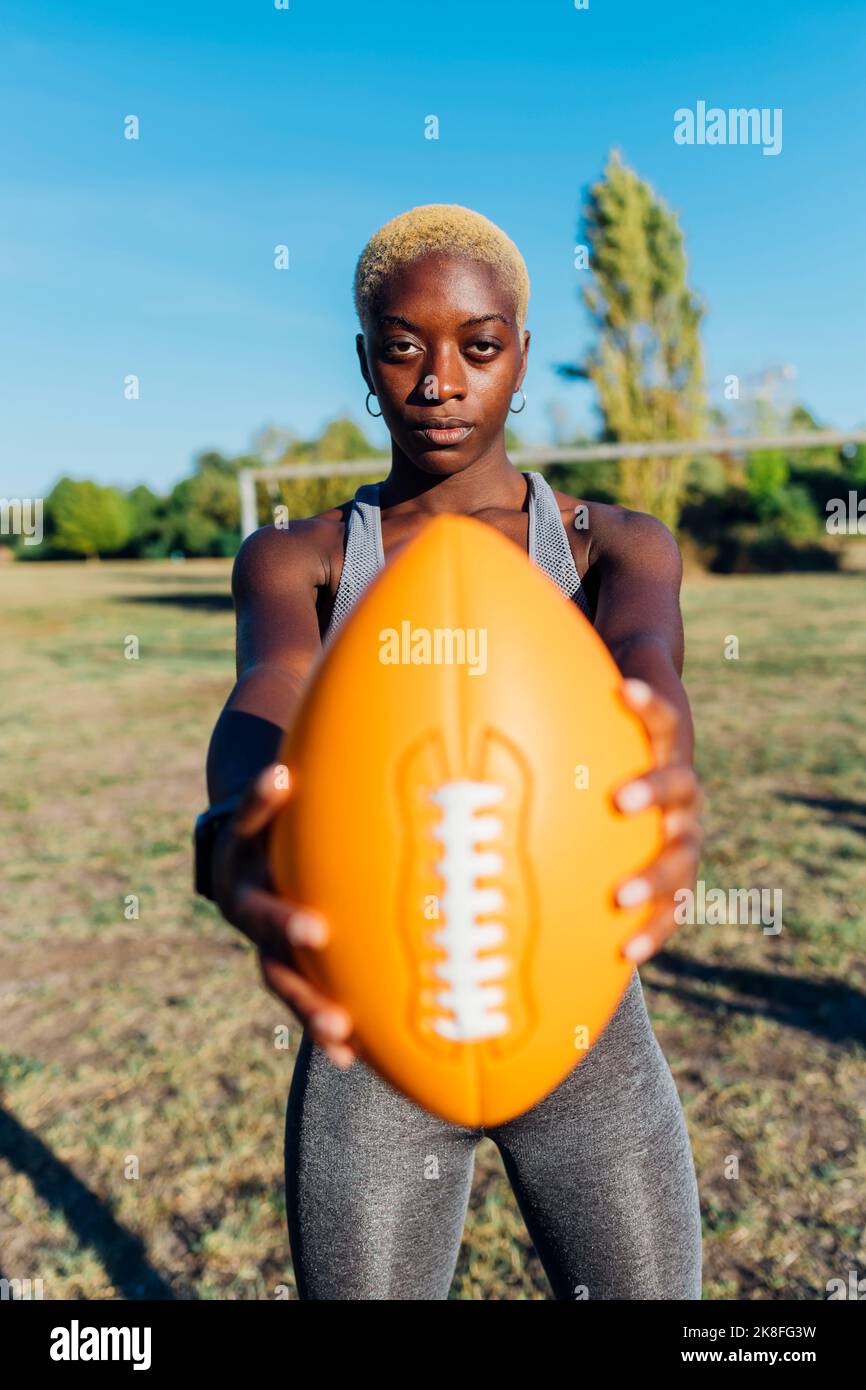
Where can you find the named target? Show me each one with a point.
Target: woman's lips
(453, 435)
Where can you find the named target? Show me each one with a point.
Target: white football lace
(473, 1001)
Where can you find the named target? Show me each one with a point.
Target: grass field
(147, 1046)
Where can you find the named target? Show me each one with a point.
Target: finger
(327, 1022)
(276, 926)
(659, 717)
(653, 935)
(340, 1055)
(672, 870)
(684, 822)
(675, 784)
(261, 801)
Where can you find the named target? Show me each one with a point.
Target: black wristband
(207, 827)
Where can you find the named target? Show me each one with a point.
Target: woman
(377, 1189)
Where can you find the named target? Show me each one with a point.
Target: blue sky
(305, 126)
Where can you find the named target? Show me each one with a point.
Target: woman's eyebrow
(398, 321)
(485, 318)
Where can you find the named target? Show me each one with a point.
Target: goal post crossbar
(541, 457)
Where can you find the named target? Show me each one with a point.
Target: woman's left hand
(672, 785)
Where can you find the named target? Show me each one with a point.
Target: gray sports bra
(364, 555)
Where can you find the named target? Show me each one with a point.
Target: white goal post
(541, 457)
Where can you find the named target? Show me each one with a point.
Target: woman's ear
(361, 349)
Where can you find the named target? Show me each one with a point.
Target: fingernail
(636, 891)
(305, 930)
(329, 1025)
(639, 948)
(265, 781)
(339, 1058)
(272, 778)
(638, 690)
(634, 797)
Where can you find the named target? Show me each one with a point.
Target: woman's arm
(639, 572)
(276, 579)
(638, 610)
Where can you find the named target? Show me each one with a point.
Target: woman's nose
(446, 377)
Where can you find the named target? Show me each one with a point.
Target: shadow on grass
(828, 1009)
(206, 603)
(851, 814)
(122, 1254)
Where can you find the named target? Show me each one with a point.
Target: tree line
(645, 364)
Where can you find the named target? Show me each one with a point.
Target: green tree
(217, 462)
(767, 475)
(342, 440)
(855, 461)
(203, 512)
(85, 518)
(802, 421)
(147, 537)
(646, 363)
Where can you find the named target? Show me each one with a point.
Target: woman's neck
(491, 481)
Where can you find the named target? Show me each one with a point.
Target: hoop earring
(376, 414)
(521, 409)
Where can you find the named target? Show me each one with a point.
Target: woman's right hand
(244, 894)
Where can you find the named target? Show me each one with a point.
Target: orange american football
(453, 761)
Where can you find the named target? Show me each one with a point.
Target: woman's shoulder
(597, 529)
(304, 549)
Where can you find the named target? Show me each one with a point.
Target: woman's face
(442, 352)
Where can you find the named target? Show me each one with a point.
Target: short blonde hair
(443, 227)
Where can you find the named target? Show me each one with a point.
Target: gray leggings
(377, 1188)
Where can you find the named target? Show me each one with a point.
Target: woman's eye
(403, 347)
